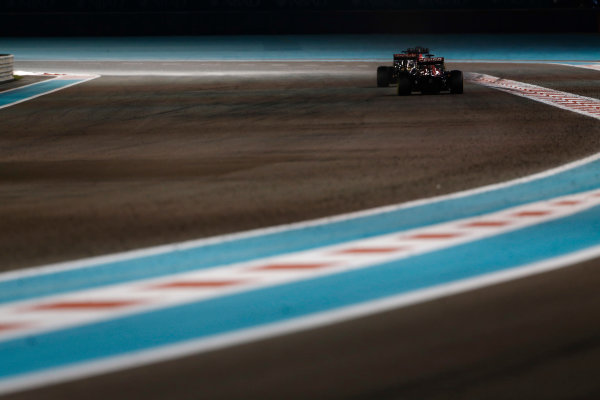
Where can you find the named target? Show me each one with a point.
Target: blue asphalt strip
(36, 89)
(508, 47)
(582, 178)
(284, 302)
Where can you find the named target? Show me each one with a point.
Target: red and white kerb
(583, 105)
(87, 306)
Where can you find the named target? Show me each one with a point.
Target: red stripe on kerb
(567, 203)
(370, 250)
(531, 213)
(196, 284)
(11, 326)
(283, 267)
(86, 305)
(435, 236)
(486, 224)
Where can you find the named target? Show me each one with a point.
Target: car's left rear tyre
(403, 87)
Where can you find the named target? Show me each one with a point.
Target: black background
(188, 17)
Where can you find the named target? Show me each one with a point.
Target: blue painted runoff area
(498, 47)
(36, 89)
(281, 303)
(582, 178)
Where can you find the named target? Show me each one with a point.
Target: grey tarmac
(124, 162)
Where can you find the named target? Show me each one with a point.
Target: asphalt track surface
(123, 162)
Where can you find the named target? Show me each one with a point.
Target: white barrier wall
(6, 67)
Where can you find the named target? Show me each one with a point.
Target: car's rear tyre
(383, 77)
(456, 82)
(403, 86)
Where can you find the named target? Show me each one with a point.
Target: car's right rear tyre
(403, 88)
(456, 82)
(383, 75)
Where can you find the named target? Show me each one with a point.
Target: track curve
(126, 162)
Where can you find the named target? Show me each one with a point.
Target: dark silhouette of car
(416, 70)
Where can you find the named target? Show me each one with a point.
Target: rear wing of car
(431, 61)
(403, 56)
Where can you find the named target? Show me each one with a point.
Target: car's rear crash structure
(415, 70)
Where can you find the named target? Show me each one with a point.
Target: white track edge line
(194, 347)
(582, 66)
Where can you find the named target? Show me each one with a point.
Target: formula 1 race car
(415, 70)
